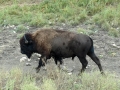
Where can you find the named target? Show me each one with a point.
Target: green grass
(54, 80)
(105, 13)
(16, 80)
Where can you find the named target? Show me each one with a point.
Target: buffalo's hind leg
(96, 60)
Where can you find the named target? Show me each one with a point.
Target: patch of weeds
(84, 82)
(20, 35)
(62, 19)
(101, 56)
(9, 2)
(105, 25)
(74, 22)
(1, 30)
(10, 84)
(109, 19)
(38, 20)
(114, 32)
(111, 53)
(105, 13)
(89, 81)
(21, 28)
(28, 83)
(87, 32)
(48, 84)
(82, 15)
(16, 80)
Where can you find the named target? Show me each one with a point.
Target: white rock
(7, 27)
(12, 26)
(15, 28)
(27, 27)
(64, 68)
(73, 66)
(38, 58)
(70, 70)
(117, 28)
(44, 68)
(114, 44)
(14, 31)
(38, 54)
(50, 22)
(63, 24)
(23, 59)
(28, 64)
(88, 66)
(70, 73)
(29, 59)
(75, 82)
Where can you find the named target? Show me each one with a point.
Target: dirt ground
(107, 48)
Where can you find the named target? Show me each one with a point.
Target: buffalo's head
(26, 45)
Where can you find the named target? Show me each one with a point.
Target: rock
(29, 59)
(88, 66)
(70, 70)
(50, 23)
(44, 68)
(64, 68)
(23, 59)
(38, 58)
(14, 31)
(28, 27)
(38, 54)
(70, 73)
(73, 66)
(63, 24)
(114, 45)
(28, 64)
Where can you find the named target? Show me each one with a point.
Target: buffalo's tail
(91, 50)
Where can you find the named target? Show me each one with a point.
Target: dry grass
(54, 80)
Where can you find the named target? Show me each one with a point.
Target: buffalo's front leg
(42, 62)
(58, 61)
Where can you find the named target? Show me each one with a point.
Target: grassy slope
(105, 13)
(53, 80)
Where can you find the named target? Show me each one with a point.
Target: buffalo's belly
(61, 47)
(62, 52)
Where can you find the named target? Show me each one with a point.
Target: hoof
(80, 74)
(103, 73)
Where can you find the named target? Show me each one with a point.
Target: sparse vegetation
(88, 32)
(21, 28)
(16, 80)
(51, 12)
(37, 13)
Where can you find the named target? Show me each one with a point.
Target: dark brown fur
(59, 44)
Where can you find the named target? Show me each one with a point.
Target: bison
(58, 44)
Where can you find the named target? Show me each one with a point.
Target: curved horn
(26, 41)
